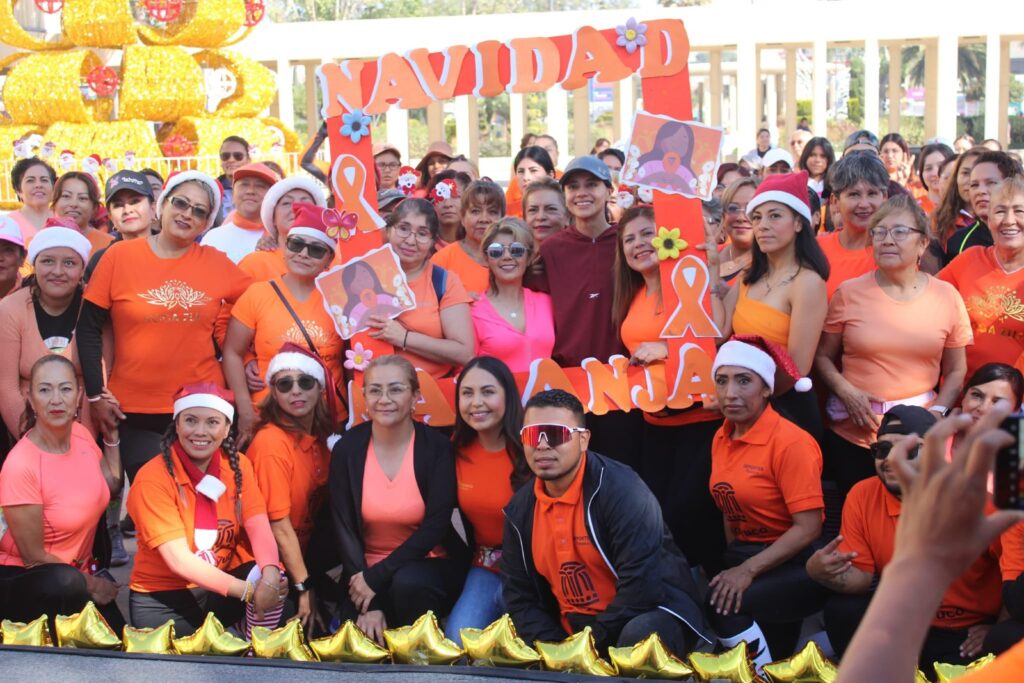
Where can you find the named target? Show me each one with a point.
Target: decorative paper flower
(357, 358)
(668, 243)
(632, 35)
(356, 125)
(444, 190)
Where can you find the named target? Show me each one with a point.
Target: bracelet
(720, 289)
(405, 341)
(112, 445)
(94, 399)
(245, 593)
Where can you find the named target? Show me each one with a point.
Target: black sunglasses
(880, 450)
(285, 384)
(237, 156)
(295, 245)
(182, 204)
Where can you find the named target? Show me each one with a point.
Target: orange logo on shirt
(175, 294)
(577, 586)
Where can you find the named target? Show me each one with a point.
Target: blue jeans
(481, 603)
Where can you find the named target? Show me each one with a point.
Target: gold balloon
(286, 642)
(145, 73)
(732, 665)
(576, 654)
(150, 641)
(98, 23)
(34, 633)
(349, 645)
(211, 639)
(919, 677)
(87, 629)
(421, 643)
(497, 645)
(806, 666)
(648, 659)
(948, 672)
(210, 23)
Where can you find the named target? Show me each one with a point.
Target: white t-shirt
(233, 240)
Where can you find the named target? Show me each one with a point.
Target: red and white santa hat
(295, 357)
(321, 224)
(59, 232)
(786, 188)
(205, 395)
(280, 189)
(180, 177)
(766, 359)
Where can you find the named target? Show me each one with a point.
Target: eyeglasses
(422, 236)
(554, 434)
(735, 209)
(880, 450)
(515, 250)
(376, 392)
(237, 156)
(285, 384)
(296, 246)
(388, 165)
(182, 204)
(899, 233)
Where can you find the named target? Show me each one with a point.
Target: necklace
(769, 286)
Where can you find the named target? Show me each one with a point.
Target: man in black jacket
(587, 546)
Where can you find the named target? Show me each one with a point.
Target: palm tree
(970, 67)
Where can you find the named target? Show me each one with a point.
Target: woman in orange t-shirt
(278, 215)
(291, 459)
(489, 467)
(76, 197)
(483, 205)
(193, 506)
(289, 308)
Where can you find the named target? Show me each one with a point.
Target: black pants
(676, 466)
(421, 585)
(1004, 635)
(845, 463)
(801, 408)
(186, 608)
(140, 439)
(50, 589)
(676, 636)
(616, 435)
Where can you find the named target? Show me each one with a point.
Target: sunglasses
(285, 384)
(515, 250)
(237, 156)
(554, 434)
(880, 450)
(182, 204)
(296, 246)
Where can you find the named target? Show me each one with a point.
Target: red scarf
(204, 534)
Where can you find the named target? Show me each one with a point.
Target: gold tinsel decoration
(160, 84)
(203, 23)
(208, 133)
(110, 140)
(12, 34)
(47, 88)
(255, 89)
(98, 23)
(292, 143)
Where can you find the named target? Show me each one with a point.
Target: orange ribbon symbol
(348, 180)
(690, 282)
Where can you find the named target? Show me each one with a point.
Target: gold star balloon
(150, 641)
(34, 633)
(732, 665)
(576, 654)
(498, 645)
(948, 672)
(806, 666)
(421, 643)
(919, 677)
(648, 659)
(286, 642)
(87, 629)
(350, 645)
(211, 639)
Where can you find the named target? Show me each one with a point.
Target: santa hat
(59, 232)
(205, 395)
(67, 151)
(280, 189)
(10, 232)
(321, 224)
(766, 359)
(180, 177)
(786, 188)
(295, 357)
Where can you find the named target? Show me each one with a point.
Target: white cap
(56, 236)
(774, 156)
(10, 231)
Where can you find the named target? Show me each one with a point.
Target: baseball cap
(775, 155)
(861, 137)
(256, 170)
(588, 164)
(385, 197)
(133, 181)
(904, 419)
(10, 232)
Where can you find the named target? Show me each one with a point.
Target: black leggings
(187, 608)
(845, 463)
(50, 589)
(801, 408)
(614, 434)
(418, 586)
(140, 439)
(676, 636)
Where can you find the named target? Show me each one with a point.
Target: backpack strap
(439, 278)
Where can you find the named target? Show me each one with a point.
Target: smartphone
(1008, 493)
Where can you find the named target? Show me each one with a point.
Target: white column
(465, 128)
(819, 103)
(627, 107)
(398, 129)
(517, 119)
(946, 86)
(715, 86)
(993, 98)
(791, 119)
(747, 119)
(871, 84)
(285, 104)
(558, 121)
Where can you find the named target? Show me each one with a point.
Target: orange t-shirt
(566, 556)
(261, 310)
(514, 197)
(454, 259)
(163, 313)
(426, 317)
(893, 349)
(99, 240)
(70, 487)
(844, 264)
(484, 489)
(163, 508)
(1011, 562)
(292, 473)
(262, 266)
(761, 479)
(870, 515)
(995, 304)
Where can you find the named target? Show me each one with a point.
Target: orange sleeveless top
(755, 317)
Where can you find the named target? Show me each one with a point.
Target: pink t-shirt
(392, 508)
(496, 337)
(70, 487)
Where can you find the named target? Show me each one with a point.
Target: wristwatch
(941, 410)
(300, 587)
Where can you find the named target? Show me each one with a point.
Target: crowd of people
(169, 332)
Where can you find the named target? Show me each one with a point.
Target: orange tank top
(755, 317)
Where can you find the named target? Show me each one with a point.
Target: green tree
(970, 67)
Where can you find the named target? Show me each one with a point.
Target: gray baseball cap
(591, 165)
(129, 180)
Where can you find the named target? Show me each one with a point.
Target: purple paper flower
(357, 358)
(356, 125)
(632, 35)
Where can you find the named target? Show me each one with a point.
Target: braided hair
(228, 446)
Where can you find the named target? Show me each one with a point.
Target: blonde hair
(1012, 186)
(897, 204)
(515, 228)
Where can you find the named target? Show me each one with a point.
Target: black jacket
(625, 525)
(435, 476)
